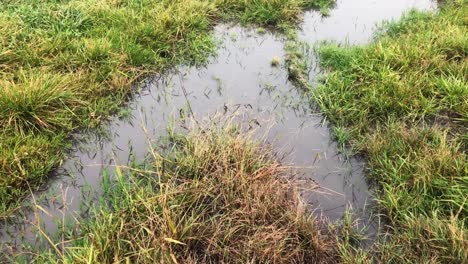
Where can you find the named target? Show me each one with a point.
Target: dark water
(239, 80)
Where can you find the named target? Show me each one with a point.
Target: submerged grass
(403, 102)
(297, 62)
(69, 64)
(215, 195)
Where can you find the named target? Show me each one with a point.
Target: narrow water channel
(239, 79)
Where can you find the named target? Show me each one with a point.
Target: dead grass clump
(216, 196)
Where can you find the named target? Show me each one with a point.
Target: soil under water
(240, 79)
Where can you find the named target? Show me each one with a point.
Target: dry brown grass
(214, 196)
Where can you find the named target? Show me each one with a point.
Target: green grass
(68, 65)
(403, 102)
(215, 195)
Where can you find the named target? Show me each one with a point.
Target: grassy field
(215, 195)
(68, 65)
(402, 101)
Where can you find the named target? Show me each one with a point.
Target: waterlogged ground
(241, 81)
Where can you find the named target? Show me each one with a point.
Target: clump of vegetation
(403, 101)
(275, 61)
(214, 195)
(69, 64)
(297, 62)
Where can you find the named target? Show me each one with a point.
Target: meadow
(218, 194)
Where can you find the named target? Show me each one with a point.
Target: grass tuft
(215, 195)
(39, 101)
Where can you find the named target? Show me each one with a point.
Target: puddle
(354, 21)
(240, 78)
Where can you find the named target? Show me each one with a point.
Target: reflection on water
(354, 21)
(240, 78)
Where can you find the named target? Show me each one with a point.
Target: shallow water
(355, 21)
(239, 79)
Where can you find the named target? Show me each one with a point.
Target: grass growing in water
(403, 101)
(69, 64)
(215, 195)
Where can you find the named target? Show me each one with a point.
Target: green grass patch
(70, 64)
(403, 102)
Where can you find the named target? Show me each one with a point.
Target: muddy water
(240, 79)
